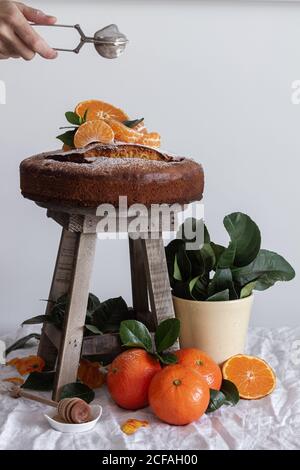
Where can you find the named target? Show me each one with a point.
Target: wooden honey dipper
(70, 410)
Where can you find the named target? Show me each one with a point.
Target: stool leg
(139, 282)
(70, 347)
(63, 273)
(158, 280)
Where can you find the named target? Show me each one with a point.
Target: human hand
(17, 37)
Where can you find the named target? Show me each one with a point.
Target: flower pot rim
(221, 302)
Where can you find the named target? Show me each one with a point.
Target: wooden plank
(61, 280)
(101, 345)
(139, 287)
(158, 281)
(70, 348)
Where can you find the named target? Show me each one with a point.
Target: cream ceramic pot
(218, 328)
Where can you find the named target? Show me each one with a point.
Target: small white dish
(96, 411)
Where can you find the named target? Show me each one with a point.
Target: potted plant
(212, 284)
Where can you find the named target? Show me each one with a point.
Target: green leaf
(197, 288)
(67, 138)
(218, 250)
(183, 264)
(219, 296)
(166, 334)
(133, 123)
(217, 399)
(181, 289)
(247, 289)
(230, 391)
(41, 381)
(93, 329)
(267, 268)
(78, 390)
(221, 281)
(83, 118)
(73, 118)
(135, 334)
(227, 257)
(245, 234)
(206, 235)
(167, 358)
(208, 256)
(109, 314)
(171, 250)
(22, 342)
(93, 303)
(36, 320)
(176, 271)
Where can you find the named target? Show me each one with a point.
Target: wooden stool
(72, 273)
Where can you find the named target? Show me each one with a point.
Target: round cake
(101, 173)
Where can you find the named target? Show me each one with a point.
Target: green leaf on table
(73, 118)
(135, 334)
(68, 137)
(166, 334)
(219, 296)
(93, 329)
(133, 123)
(245, 235)
(78, 390)
(217, 399)
(247, 289)
(267, 268)
(230, 391)
(167, 358)
(109, 314)
(41, 381)
(22, 342)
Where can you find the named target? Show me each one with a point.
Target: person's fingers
(6, 53)
(15, 46)
(34, 15)
(31, 38)
(3, 56)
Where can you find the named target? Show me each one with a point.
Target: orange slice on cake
(252, 376)
(93, 131)
(96, 109)
(124, 133)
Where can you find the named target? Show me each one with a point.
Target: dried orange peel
(132, 425)
(252, 376)
(26, 365)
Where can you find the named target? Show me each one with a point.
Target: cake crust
(101, 173)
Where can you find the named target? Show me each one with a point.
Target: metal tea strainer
(109, 42)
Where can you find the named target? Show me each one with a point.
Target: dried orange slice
(97, 109)
(252, 376)
(152, 139)
(93, 131)
(124, 133)
(132, 425)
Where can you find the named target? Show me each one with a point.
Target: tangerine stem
(177, 382)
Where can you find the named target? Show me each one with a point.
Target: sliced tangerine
(252, 376)
(97, 109)
(124, 133)
(93, 131)
(152, 139)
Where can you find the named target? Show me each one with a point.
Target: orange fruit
(203, 364)
(129, 377)
(178, 395)
(124, 133)
(151, 139)
(100, 110)
(252, 376)
(93, 131)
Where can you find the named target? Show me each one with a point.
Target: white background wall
(214, 77)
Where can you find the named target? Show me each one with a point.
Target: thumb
(34, 15)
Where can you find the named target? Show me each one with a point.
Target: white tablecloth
(270, 423)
